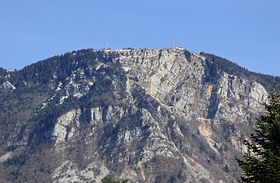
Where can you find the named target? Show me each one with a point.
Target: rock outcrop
(149, 115)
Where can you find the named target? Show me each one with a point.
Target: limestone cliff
(150, 115)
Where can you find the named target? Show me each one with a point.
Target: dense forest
(218, 63)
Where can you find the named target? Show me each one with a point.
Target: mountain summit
(149, 115)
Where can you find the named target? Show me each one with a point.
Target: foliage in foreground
(262, 162)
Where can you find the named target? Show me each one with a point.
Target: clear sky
(244, 31)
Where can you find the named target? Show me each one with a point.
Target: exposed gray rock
(150, 115)
(8, 86)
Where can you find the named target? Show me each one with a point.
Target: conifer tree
(261, 164)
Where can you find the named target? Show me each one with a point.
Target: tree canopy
(110, 179)
(261, 164)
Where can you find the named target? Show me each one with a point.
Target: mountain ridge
(264, 79)
(152, 115)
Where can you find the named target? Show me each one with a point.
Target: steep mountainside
(150, 115)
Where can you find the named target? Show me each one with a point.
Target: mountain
(150, 115)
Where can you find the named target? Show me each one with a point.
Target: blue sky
(244, 31)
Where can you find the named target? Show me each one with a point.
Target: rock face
(150, 115)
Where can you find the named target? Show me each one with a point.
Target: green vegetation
(262, 162)
(110, 179)
(218, 64)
